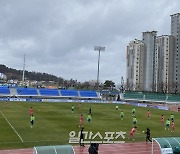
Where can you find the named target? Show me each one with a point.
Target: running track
(126, 148)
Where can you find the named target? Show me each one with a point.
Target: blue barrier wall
(82, 101)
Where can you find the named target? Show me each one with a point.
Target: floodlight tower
(122, 85)
(23, 68)
(98, 48)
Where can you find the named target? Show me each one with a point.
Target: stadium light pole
(99, 49)
(23, 68)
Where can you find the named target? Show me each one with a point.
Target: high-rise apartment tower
(175, 31)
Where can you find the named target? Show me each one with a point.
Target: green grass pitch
(54, 121)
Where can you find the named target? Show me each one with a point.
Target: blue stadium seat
(69, 93)
(49, 92)
(4, 90)
(88, 93)
(26, 91)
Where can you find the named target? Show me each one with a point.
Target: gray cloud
(58, 36)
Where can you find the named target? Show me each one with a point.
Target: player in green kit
(133, 112)
(72, 108)
(134, 121)
(89, 118)
(32, 120)
(172, 117)
(122, 115)
(167, 124)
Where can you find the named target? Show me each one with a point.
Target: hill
(17, 74)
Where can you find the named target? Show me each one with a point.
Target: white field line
(119, 151)
(44, 141)
(30, 149)
(128, 152)
(33, 141)
(12, 127)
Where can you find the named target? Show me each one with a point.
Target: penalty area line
(12, 127)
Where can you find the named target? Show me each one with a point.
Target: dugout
(169, 145)
(58, 149)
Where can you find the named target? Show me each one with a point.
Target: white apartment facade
(163, 64)
(175, 31)
(149, 39)
(160, 59)
(135, 64)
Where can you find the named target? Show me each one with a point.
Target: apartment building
(160, 60)
(149, 39)
(135, 64)
(163, 64)
(175, 31)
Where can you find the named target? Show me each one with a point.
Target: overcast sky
(58, 36)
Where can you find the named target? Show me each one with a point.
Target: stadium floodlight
(98, 48)
(23, 68)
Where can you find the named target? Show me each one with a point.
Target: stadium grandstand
(26, 92)
(151, 97)
(141, 97)
(171, 101)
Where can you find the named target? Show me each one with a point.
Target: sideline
(12, 127)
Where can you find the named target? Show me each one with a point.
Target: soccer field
(54, 122)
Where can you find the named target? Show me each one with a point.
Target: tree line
(37, 76)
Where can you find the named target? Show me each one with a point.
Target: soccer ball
(143, 131)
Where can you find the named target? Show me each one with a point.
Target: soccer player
(89, 118)
(90, 110)
(117, 107)
(133, 130)
(6, 104)
(172, 126)
(148, 135)
(148, 114)
(32, 120)
(122, 115)
(81, 119)
(72, 108)
(31, 111)
(134, 121)
(167, 124)
(81, 141)
(162, 119)
(172, 117)
(133, 111)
